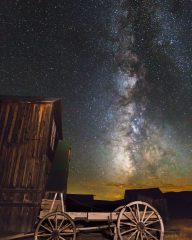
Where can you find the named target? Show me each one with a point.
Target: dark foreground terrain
(180, 229)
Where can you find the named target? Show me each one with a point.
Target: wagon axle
(140, 226)
(55, 234)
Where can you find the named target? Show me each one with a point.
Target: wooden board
(97, 216)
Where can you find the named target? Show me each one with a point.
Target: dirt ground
(180, 229)
(176, 230)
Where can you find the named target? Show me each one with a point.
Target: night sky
(124, 72)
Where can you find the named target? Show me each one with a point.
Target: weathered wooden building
(30, 129)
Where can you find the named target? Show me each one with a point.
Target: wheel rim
(140, 221)
(55, 226)
(118, 209)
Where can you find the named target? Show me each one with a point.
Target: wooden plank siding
(30, 129)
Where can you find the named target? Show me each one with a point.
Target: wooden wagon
(137, 220)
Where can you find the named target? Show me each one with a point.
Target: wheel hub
(55, 234)
(140, 226)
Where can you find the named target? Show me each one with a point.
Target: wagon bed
(134, 221)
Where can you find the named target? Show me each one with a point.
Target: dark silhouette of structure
(179, 204)
(79, 202)
(153, 196)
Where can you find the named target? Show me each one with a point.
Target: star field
(123, 70)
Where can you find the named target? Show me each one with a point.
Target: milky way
(152, 133)
(123, 70)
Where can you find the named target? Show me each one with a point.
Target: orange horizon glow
(113, 191)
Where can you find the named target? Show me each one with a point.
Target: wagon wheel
(55, 226)
(118, 209)
(139, 221)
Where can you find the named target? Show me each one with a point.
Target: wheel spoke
(50, 223)
(145, 235)
(65, 227)
(133, 214)
(49, 238)
(127, 231)
(56, 220)
(61, 238)
(153, 229)
(151, 235)
(141, 235)
(132, 235)
(129, 218)
(145, 209)
(128, 224)
(44, 235)
(148, 217)
(149, 223)
(48, 229)
(138, 213)
(61, 223)
(66, 234)
(138, 233)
